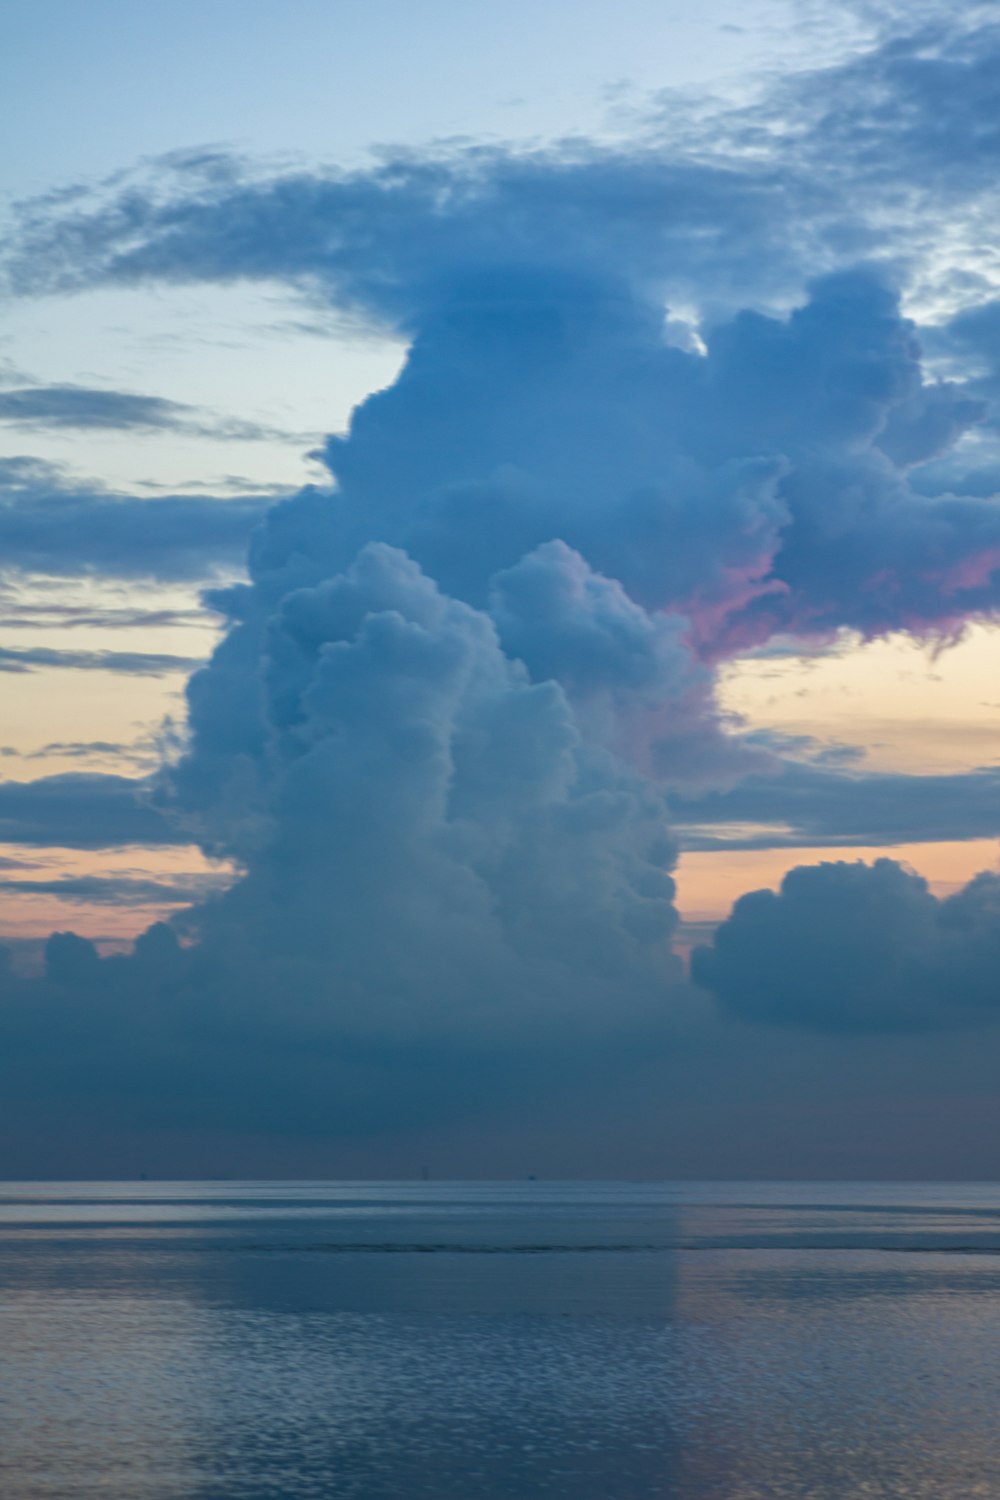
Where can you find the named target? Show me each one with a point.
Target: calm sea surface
(595, 1341)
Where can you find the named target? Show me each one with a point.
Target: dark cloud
(762, 488)
(388, 242)
(50, 524)
(53, 615)
(148, 751)
(413, 781)
(642, 504)
(82, 811)
(815, 805)
(854, 947)
(908, 122)
(81, 749)
(86, 408)
(131, 663)
(115, 890)
(872, 154)
(970, 341)
(747, 489)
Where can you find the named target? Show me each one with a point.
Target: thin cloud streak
(129, 663)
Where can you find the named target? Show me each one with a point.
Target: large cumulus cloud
(761, 485)
(462, 679)
(434, 831)
(439, 867)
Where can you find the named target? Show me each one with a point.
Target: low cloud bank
(854, 947)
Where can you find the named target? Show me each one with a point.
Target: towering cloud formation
(452, 698)
(438, 863)
(439, 850)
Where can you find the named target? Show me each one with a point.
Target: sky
(499, 571)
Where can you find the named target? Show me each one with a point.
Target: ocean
(499, 1341)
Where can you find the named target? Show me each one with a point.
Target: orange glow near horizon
(902, 704)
